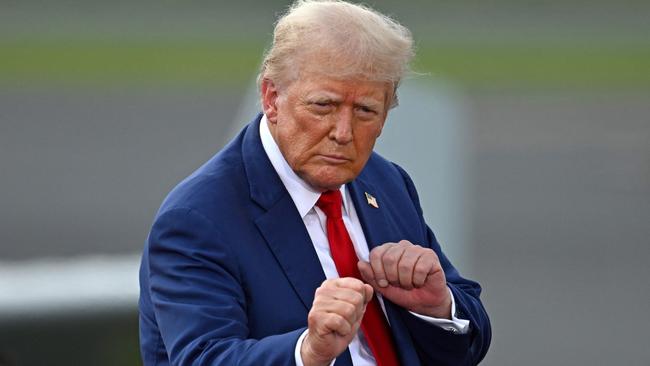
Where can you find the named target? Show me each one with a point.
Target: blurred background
(536, 178)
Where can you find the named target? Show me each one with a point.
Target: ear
(269, 100)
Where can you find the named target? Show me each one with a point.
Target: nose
(341, 131)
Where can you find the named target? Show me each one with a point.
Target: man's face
(325, 127)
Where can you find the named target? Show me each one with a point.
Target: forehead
(356, 89)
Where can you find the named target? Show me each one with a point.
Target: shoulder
(393, 179)
(380, 169)
(218, 183)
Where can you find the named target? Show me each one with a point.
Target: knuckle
(405, 266)
(357, 299)
(313, 317)
(337, 321)
(351, 283)
(430, 252)
(422, 266)
(339, 281)
(404, 242)
(375, 255)
(329, 322)
(348, 311)
(326, 283)
(357, 286)
(390, 259)
(319, 292)
(317, 302)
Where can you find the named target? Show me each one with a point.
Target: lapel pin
(372, 201)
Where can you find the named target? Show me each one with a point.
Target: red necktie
(373, 325)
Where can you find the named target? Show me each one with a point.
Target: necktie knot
(330, 202)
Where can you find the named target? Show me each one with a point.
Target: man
(296, 244)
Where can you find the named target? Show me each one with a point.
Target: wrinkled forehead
(321, 73)
(316, 86)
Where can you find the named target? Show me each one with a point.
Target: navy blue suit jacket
(229, 272)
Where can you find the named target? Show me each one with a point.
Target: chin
(327, 182)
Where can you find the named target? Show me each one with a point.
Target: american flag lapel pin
(372, 201)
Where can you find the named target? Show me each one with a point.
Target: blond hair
(337, 39)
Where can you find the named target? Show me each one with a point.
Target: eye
(321, 106)
(366, 112)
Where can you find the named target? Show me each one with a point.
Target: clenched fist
(334, 319)
(410, 276)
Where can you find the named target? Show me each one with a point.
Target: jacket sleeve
(434, 345)
(198, 300)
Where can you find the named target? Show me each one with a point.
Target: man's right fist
(334, 319)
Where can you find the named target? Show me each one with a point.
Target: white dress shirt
(304, 197)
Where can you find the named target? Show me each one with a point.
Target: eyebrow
(323, 96)
(369, 103)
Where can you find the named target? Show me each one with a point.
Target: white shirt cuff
(454, 325)
(296, 353)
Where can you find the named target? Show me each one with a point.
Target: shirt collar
(302, 194)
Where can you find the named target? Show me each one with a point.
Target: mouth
(335, 158)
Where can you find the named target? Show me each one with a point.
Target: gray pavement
(563, 226)
(84, 172)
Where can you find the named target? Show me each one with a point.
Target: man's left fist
(409, 276)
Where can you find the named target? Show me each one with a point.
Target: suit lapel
(279, 222)
(375, 222)
(379, 228)
(286, 235)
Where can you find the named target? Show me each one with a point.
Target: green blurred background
(496, 44)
